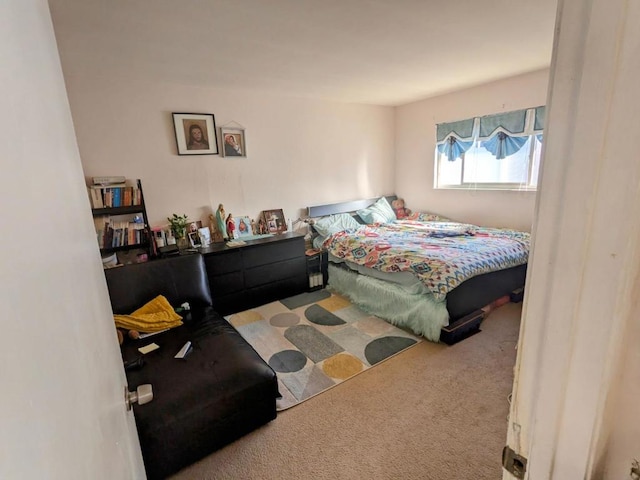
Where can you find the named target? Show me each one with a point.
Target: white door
(62, 410)
(584, 270)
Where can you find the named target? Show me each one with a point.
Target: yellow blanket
(156, 315)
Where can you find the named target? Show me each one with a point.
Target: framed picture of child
(193, 234)
(274, 220)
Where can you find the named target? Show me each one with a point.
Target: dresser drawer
(296, 267)
(273, 252)
(224, 262)
(271, 292)
(226, 283)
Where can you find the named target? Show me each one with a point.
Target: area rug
(315, 341)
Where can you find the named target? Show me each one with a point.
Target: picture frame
(243, 227)
(274, 220)
(233, 142)
(205, 236)
(194, 239)
(193, 229)
(188, 140)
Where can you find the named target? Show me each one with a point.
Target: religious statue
(222, 228)
(231, 226)
(216, 235)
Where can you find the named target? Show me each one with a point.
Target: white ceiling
(381, 52)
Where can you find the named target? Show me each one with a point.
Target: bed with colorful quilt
(423, 272)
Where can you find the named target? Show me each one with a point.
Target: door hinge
(513, 463)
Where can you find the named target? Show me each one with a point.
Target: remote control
(184, 351)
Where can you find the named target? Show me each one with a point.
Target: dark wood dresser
(259, 272)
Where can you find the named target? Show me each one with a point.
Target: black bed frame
(464, 303)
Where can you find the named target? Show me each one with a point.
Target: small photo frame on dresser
(194, 239)
(243, 227)
(274, 220)
(205, 236)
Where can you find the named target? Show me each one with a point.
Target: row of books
(119, 195)
(111, 234)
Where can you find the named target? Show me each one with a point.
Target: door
(580, 295)
(62, 409)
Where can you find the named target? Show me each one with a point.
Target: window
(496, 152)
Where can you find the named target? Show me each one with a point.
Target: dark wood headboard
(344, 207)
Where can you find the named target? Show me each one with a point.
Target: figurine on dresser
(231, 226)
(220, 220)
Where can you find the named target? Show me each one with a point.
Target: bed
(424, 272)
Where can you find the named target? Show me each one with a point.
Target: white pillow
(379, 212)
(326, 226)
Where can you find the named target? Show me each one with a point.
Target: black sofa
(219, 392)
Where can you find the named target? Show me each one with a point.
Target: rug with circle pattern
(317, 340)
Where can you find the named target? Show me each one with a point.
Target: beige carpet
(431, 412)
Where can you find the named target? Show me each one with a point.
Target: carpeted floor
(315, 341)
(430, 412)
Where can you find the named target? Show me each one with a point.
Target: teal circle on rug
(287, 361)
(384, 347)
(284, 320)
(321, 316)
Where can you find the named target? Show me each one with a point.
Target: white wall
(62, 405)
(415, 144)
(301, 152)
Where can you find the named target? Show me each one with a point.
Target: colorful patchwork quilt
(441, 254)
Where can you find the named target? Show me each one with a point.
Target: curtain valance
(502, 134)
(511, 123)
(462, 130)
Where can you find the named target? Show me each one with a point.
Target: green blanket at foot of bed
(420, 313)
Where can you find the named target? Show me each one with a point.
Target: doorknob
(142, 395)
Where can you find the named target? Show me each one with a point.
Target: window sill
(488, 187)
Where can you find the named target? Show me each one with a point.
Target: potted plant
(179, 229)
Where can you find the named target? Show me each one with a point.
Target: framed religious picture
(195, 133)
(274, 221)
(243, 227)
(233, 144)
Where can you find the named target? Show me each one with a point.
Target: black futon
(217, 393)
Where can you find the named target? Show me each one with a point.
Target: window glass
(480, 169)
(481, 166)
(450, 173)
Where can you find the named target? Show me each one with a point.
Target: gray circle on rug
(284, 320)
(287, 361)
(321, 316)
(384, 347)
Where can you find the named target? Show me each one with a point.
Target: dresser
(258, 272)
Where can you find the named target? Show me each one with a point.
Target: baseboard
(462, 328)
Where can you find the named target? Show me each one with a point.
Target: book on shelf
(117, 196)
(126, 197)
(113, 234)
(96, 198)
(120, 195)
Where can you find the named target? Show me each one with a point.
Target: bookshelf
(120, 218)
